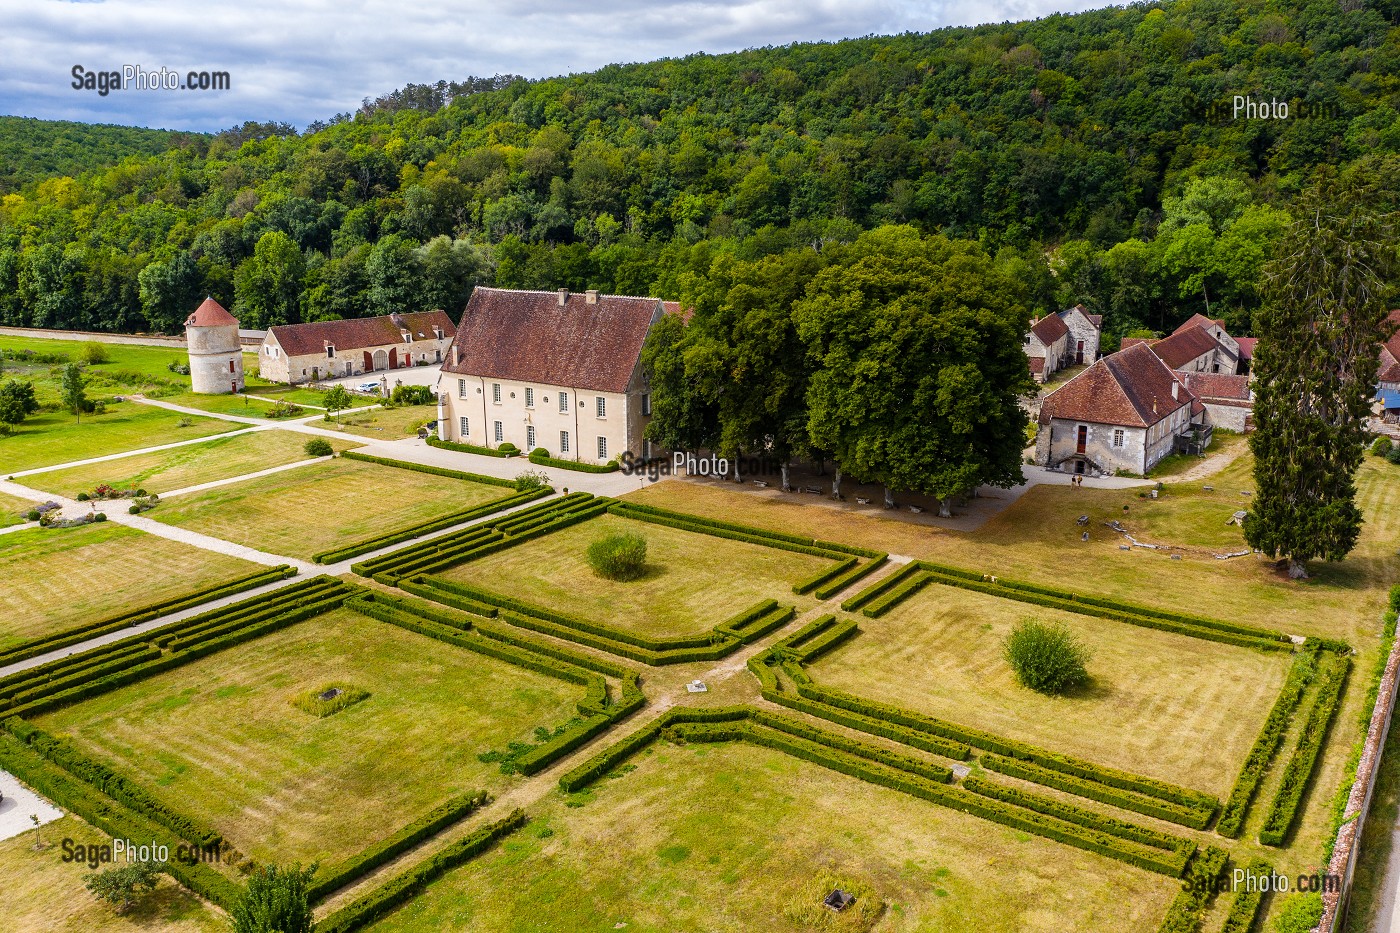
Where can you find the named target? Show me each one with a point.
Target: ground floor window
(602, 448)
(466, 430)
(497, 432)
(529, 438)
(563, 442)
(1117, 437)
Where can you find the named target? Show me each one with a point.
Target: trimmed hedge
(877, 589)
(837, 584)
(825, 575)
(1197, 891)
(435, 471)
(538, 459)
(83, 664)
(1265, 747)
(386, 850)
(1245, 908)
(145, 614)
(465, 448)
(104, 779)
(928, 743)
(819, 645)
(728, 531)
(117, 821)
(408, 884)
(1298, 772)
(138, 654)
(1195, 818)
(896, 595)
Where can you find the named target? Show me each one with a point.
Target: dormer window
(437, 332)
(330, 351)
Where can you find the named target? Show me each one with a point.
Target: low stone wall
(147, 340)
(1348, 848)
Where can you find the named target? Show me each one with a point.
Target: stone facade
(1082, 347)
(294, 353)
(216, 356)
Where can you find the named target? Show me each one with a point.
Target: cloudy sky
(300, 60)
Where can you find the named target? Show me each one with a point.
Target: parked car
(371, 388)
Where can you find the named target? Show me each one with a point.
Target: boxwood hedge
(1298, 772)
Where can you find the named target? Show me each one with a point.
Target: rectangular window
(496, 392)
(563, 442)
(529, 438)
(602, 448)
(563, 401)
(529, 397)
(646, 403)
(499, 434)
(330, 352)
(1117, 437)
(602, 407)
(466, 429)
(461, 388)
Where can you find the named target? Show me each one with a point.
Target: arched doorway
(381, 359)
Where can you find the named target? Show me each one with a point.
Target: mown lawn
(311, 509)
(734, 838)
(59, 579)
(693, 581)
(383, 423)
(44, 894)
(219, 739)
(1180, 709)
(1037, 539)
(11, 510)
(166, 470)
(54, 438)
(128, 369)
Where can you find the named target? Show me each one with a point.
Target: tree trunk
(1296, 570)
(836, 484)
(889, 498)
(786, 486)
(737, 477)
(945, 507)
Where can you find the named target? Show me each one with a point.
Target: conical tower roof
(210, 314)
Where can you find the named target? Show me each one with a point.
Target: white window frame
(530, 438)
(498, 432)
(1118, 437)
(602, 447)
(466, 427)
(529, 397)
(496, 392)
(601, 405)
(461, 388)
(563, 401)
(563, 442)
(646, 403)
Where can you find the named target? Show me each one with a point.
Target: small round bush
(1381, 446)
(140, 493)
(100, 517)
(83, 497)
(32, 515)
(134, 510)
(509, 448)
(1394, 455)
(618, 556)
(1046, 658)
(319, 447)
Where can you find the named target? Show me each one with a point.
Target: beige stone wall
(216, 359)
(473, 397)
(1059, 441)
(1081, 329)
(282, 368)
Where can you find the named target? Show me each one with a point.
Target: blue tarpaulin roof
(1389, 398)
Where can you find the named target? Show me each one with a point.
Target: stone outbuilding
(216, 356)
(317, 350)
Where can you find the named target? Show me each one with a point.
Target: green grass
(130, 369)
(54, 438)
(383, 422)
(219, 739)
(692, 582)
(166, 470)
(1176, 708)
(301, 512)
(44, 894)
(732, 837)
(10, 509)
(60, 579)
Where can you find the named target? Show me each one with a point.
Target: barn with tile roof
(317, 350)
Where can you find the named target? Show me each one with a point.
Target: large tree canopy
(917, 367)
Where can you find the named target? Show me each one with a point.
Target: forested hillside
(33, 149)
(1093, 157)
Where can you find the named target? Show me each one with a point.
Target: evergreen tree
(73, 390)
(17, 401)
(275, 902)
(1320, 331)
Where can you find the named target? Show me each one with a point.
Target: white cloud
(300, 60)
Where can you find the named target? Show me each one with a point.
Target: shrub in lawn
(618, 556)
(319, 447)
(32, 515)
(94, 354)
(509, 449)
(531, 480)
(100, 517)
(1300, 913)
(332, 698)
(1381, 446)
(1394, 455)
(1046, 658)
(83, 497)
(275, 902)
(121, 887)
(412, 395)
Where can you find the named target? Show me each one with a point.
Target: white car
(371, 388)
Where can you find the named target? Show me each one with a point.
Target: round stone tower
(216, 357)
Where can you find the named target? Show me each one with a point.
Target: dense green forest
(1093, 157)
(32, 149)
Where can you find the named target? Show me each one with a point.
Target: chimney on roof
(1175, 387)
(456, 355)
(563, 297)
(591, 296)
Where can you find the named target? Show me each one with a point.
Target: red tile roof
(1132, 387)
(1037, 364)
(210, 314)
(1049, 329)
(1217, 386)
(1246, 347)
(1200, 320)
(1132, 342)
(359, 333)
(1390, 367)
(1393, 343)
(527, 336)
(1095, 319)
(1185, 345)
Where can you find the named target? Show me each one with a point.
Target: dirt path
(1210, 465)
